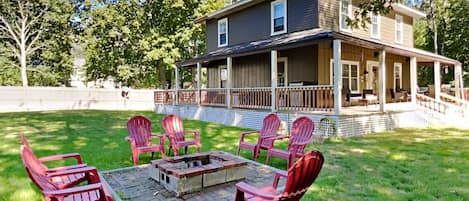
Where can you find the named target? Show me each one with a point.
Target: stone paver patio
(135, 184)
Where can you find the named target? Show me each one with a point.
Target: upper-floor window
(278, 15)
(222, 32)
(399, 29)
(397, 76)
(375, 28)
(345, 12)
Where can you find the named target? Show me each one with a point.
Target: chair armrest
(74, 190)
(244, 187)
(243, 134)
(57, 169)
(61, 157)
(301, 143)
(279, 174)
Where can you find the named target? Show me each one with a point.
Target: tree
(37, 35)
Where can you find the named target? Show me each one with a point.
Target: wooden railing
(187, 97)
(164, 97)
(453, 100)
(308, 98)
(251, 98)
(213, 97)
(440, 106)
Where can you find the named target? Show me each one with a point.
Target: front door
(282, 72)
(372, 78)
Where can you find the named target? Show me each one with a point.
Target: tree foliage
(35, 42)
(138, 42)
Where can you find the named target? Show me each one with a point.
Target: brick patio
(135, 184)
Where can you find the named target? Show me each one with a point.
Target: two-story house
(301, 55)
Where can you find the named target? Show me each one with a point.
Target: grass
(412, 164)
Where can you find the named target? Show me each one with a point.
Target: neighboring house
(283, 55)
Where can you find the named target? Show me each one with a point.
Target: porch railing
(213, 97)
(187, 96)
(439, 106)
(251, 98)
(453, 100)
(308, 98)
(164, 97)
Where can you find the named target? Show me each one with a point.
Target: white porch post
(273, 73)
(229, 67)
(176, 87)
(413, 79)
(337, 76)
(199, 82)
(382, 80)
(436, 73)
(458, 80)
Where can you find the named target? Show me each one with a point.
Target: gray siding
(253, 23)
(213, 77)
(302, 63)
(251, 71)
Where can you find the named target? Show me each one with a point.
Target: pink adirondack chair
(94, 191)
(299, 178)
(269, 129)
(300, 136)
(59, 180)
(174, 130)
(140, 137)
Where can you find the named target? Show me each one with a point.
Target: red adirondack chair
(300, 136)
(94, 191)
(269, 129)
(299, 177)
(174, 130)
(60, 180)
(140, 137)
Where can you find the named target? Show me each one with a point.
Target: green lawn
(429, 164)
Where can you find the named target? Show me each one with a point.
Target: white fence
(14, 99)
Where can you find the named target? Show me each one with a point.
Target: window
(350, 75)
(345, 12)
(375, 28)
(399, 29)
(278, 15)
(222, 32)
(397, 76)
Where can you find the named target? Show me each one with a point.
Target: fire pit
(189, 173)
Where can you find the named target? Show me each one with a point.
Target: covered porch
(314, 71)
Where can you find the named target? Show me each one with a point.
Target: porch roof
(308, 37)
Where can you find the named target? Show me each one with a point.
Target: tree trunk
(162, 75)
(24, 76)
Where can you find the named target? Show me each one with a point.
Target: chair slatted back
(270, 127)
(174, 128)
(140, 130)
(302, 131)
(35, 171)
(302, 175)
(33, 158)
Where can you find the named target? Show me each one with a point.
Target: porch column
(436, 73)
(176, 87)
(382, 80)
(458, 81)
(337, 76)
(199, 82)
(273, 74)
(229, 64)
(413, 79)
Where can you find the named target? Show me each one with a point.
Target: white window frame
(220, 72)
(348, 29)
(331, 77)
(378, 19)
(272, 32)
(394, 75)
(399, 26)
(285, 60)
(224, 20)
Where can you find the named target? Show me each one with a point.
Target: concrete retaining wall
(346, 125)
(15, 99)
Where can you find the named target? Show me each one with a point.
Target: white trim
(347, 62)
(399, 26)
(224, 20)
(394, 74)
(285, 60)
(378, 19)
(401, 8)
(349, 15)
(369, 68)
(220, 67)
(272, 4)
